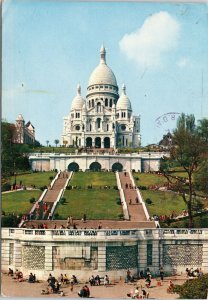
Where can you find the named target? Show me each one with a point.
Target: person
(84, 218)
(106, 280)
(170, 287)
(161, 273)
(97, 280)
(66, 279)
(128, 276)
(141, 274)
(145, 294)
(45, 292)
(136, 293)
(136, 200)
(84, 292)
(10, 272)
(130, 202)
(31, 278)
(92, 280)
(148, 281)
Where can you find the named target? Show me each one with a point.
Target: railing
(130, 233)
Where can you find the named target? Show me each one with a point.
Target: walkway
(51, 196)
(135, 209)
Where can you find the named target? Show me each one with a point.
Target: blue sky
(160, 51)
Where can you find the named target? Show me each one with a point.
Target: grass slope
(146, 179)
(18, 202)
(163, 203)
(97, 179)
(38, 179)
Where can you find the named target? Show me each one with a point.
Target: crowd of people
(194, 273)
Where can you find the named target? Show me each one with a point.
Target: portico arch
(95, 166)
(73, 167)
(117, 167)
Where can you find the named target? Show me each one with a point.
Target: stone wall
(87, 252)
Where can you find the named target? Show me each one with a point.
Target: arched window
(98, 107)
(98, 122)
(93, 103)
(107, 127)
(106, 102)
(111, 102)
(90, 127)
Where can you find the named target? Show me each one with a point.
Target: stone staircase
(51, 196)
(135, 209)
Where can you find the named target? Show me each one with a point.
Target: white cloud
(183, 62)
(158, 35)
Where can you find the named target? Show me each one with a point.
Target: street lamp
(41, 160)
(149, 161)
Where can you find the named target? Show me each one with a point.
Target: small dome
(102, 74)
(19, 118)
(78, 101)
(123, 101)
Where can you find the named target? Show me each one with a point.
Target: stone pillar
(5, 255)
(142, 255)
(155, 256)
(17, 254)
(48, 258)
(205, 256)
(93, 142)
(102, 142)
(101, 259)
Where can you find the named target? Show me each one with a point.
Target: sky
(159, 50)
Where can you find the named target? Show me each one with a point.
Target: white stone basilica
(104, 119)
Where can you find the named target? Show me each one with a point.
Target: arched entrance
(98, 142)
(73, 167)
(95, 166)
(88, 142)
(117, 167)
(106, 142)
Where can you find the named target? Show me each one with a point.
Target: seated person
(106, 280)
(170, 287)
(75, 279)
(92, 280)
(45, 292)
(10, 272)
(148, 281)
(97, 280)
(66, 279)
(84, 292)
(31, 278)
(136, 293)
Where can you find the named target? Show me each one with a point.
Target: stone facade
(24, 133)
(104, 119)
(142, 162)
(87, 252)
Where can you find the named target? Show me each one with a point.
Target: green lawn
(163, 203)
(18, 202)
(38, 179)
(97, 179)
(96, 204)
(147, 180)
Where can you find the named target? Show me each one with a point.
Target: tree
(201, 177)
(202, 129)
(187, 152)
(47, 142)
(56, 142)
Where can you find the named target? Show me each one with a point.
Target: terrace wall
(86, 252)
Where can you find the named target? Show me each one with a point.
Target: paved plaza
(117, 289)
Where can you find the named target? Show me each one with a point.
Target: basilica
(104, 119)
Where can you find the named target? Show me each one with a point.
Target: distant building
(166, 141)
(105, 118)
(24, 133)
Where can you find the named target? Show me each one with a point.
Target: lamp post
(149, 161)
(41, 160)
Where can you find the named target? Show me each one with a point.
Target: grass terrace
(163, 203)
(38, 179)
(96, 203)
(18, 202)
(97, 179)
(148, 179)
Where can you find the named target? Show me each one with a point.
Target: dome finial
(102, 55)
(124, 88)
(78, 89)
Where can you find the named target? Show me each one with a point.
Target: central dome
(102, 73)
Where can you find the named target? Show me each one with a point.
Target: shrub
(193, 289)
(142, 187)
(51, 178)
(148, 201)
(42, 188)
(137, 178)
(32, 200)
(63, 200)
(69, 187)
(9, 221)
(115, 187)
(118, 201)
(120, 216)
(56, 215)
(6, 187)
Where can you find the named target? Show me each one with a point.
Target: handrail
(123, 200)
